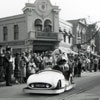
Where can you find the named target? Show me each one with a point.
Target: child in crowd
(32, 69)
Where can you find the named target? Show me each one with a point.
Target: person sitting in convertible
(48, 60)
(62, 66)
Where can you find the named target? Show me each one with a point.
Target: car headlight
(32, 85)
(47, 86)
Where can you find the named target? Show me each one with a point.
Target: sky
(70, 9)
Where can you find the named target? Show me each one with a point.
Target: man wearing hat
(8, 66)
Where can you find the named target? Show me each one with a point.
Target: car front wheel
(58, 84)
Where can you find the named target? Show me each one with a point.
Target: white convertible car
(47, 82)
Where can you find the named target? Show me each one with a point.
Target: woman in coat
(23, 68)
(17, 73)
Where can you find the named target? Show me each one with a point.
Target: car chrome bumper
(43, 91)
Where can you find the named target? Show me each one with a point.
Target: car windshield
(52, 70)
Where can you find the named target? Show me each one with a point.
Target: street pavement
(9, 93)
(91, 94)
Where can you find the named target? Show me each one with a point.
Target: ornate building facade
(80, 33)
(36, 29)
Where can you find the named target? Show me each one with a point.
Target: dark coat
(17, 72)
(2, 70)
(8, 69)
(66, 73)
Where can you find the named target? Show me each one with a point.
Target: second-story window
(16, 32)
(5, 33)
(38, 25)
(47, 26)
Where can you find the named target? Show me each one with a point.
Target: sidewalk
(90, 73)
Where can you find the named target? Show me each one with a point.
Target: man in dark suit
(1, 64)
(8, 67)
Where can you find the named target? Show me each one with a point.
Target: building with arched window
(36, 29)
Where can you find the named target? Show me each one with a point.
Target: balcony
(46, 35)
(43, 35)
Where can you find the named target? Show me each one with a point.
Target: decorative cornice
(12, 17)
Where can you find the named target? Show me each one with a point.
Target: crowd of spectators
(20, 66)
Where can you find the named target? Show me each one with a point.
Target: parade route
(79, 93)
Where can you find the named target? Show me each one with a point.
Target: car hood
(47, 76)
